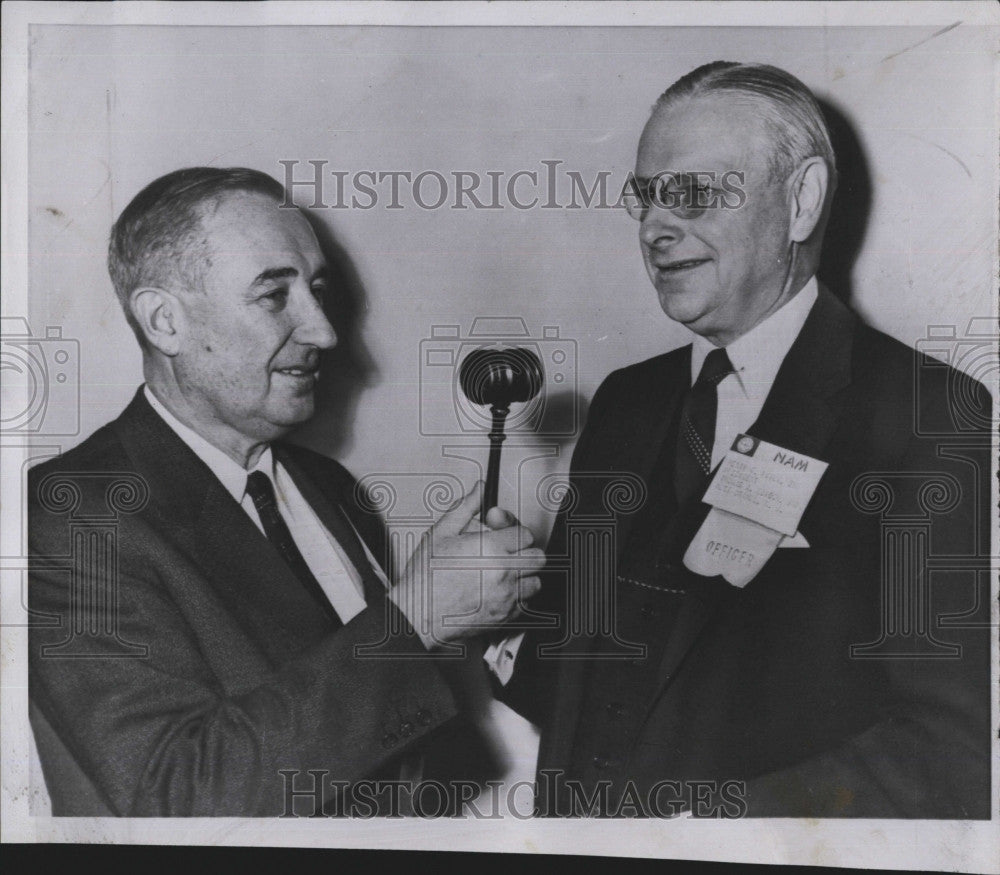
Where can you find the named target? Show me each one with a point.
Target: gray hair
(788, 110)
(157, 239)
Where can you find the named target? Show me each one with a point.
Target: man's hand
(465, 579)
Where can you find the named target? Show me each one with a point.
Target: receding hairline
(763, 138)
(741, 99)
(792, 114)
(210, 209)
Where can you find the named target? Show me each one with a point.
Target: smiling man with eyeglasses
(747, 638)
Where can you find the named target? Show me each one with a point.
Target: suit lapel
(195, 511)
(805, 403)
(255, 582)
(651, 429)
(800, 414)
(336, 521)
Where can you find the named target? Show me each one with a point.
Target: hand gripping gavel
(499, 376)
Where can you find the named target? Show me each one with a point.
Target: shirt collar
(231, 474)
(758, 354)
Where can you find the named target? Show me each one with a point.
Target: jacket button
(388, 740)
(424, 717)
(406, 729)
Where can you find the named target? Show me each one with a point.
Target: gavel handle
(497, 437)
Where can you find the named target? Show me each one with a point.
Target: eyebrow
(281, 273)
(274, 273)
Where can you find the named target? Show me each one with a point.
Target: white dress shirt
(756, 357)
(334, 572)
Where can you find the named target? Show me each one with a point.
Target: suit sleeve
(929, 756)
(156, 732)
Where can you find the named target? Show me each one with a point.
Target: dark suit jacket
(760, 684)
(190, 667)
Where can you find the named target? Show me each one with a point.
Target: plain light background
(112, 108)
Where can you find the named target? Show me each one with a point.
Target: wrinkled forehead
(712, 132)
(256, 226)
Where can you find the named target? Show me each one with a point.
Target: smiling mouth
(684, 264)
(301, 373)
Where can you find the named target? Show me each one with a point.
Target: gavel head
(500, 376)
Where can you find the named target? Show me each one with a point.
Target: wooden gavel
(499, 377)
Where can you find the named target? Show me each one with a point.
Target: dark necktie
(260, 489)
(693, 462)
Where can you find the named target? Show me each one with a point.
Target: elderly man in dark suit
(703, 661)
(224, 634)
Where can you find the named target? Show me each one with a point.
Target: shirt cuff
(500, 656)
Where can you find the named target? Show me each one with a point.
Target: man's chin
(291, 416)
(681, 305)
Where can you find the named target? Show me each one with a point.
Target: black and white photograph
(553, 428)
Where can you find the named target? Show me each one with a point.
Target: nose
(312, 327)
(659, 228)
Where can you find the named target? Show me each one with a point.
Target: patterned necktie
(260, 489)
(693, 462)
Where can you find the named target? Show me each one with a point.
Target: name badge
(764, 483)
(758, 496)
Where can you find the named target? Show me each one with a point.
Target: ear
(809, 185)
(160, 318)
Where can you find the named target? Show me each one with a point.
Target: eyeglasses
(686, 195)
